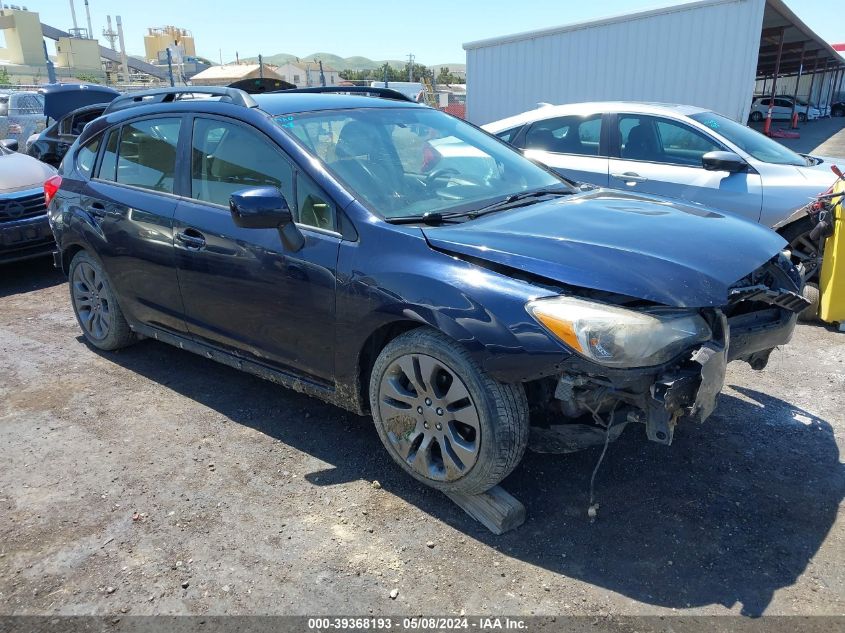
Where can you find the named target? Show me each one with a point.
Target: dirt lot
(154, 481)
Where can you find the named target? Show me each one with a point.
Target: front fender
(480, 309)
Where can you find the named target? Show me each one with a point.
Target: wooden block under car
(496, 509)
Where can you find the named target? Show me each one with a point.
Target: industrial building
(709, 53)
(158, 40)
(77, 51)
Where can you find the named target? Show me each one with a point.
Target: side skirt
(299, 383)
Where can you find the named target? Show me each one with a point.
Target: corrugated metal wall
(703, 54)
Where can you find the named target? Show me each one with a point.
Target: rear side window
(146, 155)
(86, 156)
(226, 157)
(108, 165)
(508, 135)
(566, 135)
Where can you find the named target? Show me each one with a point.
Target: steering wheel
(440, 173)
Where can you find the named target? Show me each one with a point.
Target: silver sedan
(678, 151)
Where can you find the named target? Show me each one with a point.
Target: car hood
(640, 246)
(821, 172)
(60, 99)
(19, 171)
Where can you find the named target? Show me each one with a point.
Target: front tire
(802, 117)
(95, 305)
(756, 116)
(442, 418)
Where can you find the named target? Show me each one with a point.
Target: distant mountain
(338, 63)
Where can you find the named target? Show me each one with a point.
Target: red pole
(768, 125)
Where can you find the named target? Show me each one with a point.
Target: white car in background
(782, 109)
(679, 151)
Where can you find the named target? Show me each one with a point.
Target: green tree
(88, 78)
(4, 76)
(446, 77)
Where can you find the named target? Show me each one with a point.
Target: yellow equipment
(832, 276)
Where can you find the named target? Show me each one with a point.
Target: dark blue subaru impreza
(397, 261)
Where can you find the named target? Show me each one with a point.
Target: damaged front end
(595, 396)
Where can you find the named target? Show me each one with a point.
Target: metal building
(708, 53)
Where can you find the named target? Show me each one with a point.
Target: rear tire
(442, 418)
(802, 117)
(95, 305)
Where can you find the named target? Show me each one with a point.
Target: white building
(307, 74)
(708, 53)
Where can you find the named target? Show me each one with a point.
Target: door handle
(191, 239)
(630, 177)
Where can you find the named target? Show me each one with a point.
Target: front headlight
(618, 337)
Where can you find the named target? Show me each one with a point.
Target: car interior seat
(363, 160)
(641, 144)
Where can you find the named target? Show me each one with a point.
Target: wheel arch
(370, 350)
(69, 252)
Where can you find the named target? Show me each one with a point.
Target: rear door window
(566, 135)
(147, 154)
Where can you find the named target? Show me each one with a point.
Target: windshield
(760, 147)
(404, 162)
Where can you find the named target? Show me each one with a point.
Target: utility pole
(260, 66)
(170, 66)
(109, 34)
(88, 15)
(123, 60)
(411, 67)
(73, 17)
(51, 70)
(322, 75)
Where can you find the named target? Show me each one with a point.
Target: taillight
(51, 186)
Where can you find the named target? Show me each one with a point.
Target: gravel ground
(153, 481)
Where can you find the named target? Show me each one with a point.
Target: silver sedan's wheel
(442, 418)
(431, 421)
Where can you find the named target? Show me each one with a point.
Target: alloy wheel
(429, 417)
(90, 300)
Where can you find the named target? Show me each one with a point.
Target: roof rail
(382, 93)
(167, 95)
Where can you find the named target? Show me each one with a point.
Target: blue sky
(433, 30)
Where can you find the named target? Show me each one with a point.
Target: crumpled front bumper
(689, 390)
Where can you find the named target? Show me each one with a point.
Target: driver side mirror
(10, 144)
(723, 161)
(266, 208)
